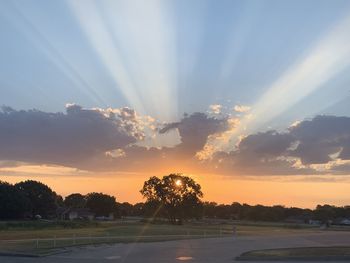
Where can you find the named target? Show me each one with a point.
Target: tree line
(31, 199)
(237, 211)
(174, 197)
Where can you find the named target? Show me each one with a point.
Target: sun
(178, 182)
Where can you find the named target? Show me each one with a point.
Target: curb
(28, 255)
(13, 254)
(314, 258)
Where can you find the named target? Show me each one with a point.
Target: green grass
(305, 253)
(28, 225)
(40, 237)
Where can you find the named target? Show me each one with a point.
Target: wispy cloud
(215, 108)
(242, 108)
(41, 170)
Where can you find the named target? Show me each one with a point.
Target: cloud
(100, 139)
(270, 143)
(110, 140)
(262, 153)
(321, 139)
(194, 131)
(317, 146)
(6, 164)
(218, 141)
(65, 138)
(241, 108)
(40, 170)
(215, 108)
(115, 153)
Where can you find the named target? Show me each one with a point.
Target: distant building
(75, 213)
(341, 221)
(110, 217)
(315, 222)
(298, 219)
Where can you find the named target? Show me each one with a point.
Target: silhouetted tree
(41, 197)
(236, 209)
(59, 200)
(210, 209)
(101, 204)
(75, 200)
(324, 213)
(153, 209)
(125, 209)
(191, 207)
(13, 203)
(176, 195)
(138, 209)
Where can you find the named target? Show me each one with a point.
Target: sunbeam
(137, 47)
(96, 96)
(328, 58)
(93, 25)
(148, 35)
(238, 36)
(33, 33)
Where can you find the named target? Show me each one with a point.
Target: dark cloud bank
(70, 138)
(93, 139)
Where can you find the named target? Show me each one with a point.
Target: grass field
(42, 237)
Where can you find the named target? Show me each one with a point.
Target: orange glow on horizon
(288, 191)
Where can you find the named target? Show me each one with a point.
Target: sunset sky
(250, 98)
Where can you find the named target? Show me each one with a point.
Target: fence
(24, 245)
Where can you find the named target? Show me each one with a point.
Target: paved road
(196, 250)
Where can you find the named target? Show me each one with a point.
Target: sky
(250, 98)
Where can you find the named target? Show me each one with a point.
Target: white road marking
(184, 258)
(113, 257)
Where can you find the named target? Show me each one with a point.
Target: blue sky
(265, 85)
(256, 65)
(189, 54)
